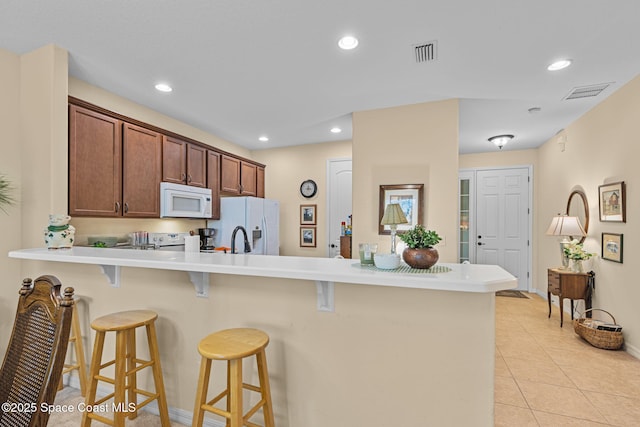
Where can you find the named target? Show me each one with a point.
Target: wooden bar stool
(127, 365)
(233, 345)
(80, 363)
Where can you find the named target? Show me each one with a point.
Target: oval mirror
(578, 206)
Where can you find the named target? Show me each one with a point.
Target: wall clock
(308, 188)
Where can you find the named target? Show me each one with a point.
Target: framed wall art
(612, 202)
(612, 247)
(409, 197)
(307, 214)
(308, 237)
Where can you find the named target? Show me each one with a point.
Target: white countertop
(461, 278)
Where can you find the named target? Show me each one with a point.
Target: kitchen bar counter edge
(461, 278)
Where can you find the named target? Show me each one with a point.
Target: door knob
(333, 245)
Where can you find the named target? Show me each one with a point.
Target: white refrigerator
(260, 217)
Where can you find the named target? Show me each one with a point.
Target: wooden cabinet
(116, 164)
(183, 163)
(567, 284)
(95, 168)
(238, 177)
(213, 182)
(260, 182)
(141, 172)
(114, 167)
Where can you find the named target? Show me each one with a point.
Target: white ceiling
(244, 68)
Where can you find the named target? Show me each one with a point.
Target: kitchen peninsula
(394, 348)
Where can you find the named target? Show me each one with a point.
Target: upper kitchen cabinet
(260, 182)
(95, 168)
(141, 172)
(115, 167)
(183, 162)
(213, 181)
(237, 177)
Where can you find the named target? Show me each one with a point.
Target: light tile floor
(549, 376)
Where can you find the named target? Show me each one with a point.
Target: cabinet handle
(117, 207)
(126, 207)
(183, 177)
(241, 188)
(189, 178)
(480, 243)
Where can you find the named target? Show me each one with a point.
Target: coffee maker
(206, 238)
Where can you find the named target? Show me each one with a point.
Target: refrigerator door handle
(265, 236)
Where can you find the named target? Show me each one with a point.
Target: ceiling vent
(426, 52)
(587, 91)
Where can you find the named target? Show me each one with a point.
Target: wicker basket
(608, 340)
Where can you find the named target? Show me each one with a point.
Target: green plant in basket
(419, 237)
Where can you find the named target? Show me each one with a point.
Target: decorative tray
(405, 269)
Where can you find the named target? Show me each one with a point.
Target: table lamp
(393, 216)
(564, 225)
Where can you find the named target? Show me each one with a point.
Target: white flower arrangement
(575, 251)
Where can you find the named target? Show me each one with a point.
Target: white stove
(167, 241)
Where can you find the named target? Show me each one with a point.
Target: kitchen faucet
(247, 248)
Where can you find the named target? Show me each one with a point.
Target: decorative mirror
(578, 206)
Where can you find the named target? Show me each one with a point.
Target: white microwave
(184, 201)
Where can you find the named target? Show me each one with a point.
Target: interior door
(502, 221)
(338, 201)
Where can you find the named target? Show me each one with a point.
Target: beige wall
(11, 168)
(603, 146)
(286, 169)
(414, 144)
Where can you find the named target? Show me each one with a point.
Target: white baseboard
(178, 415)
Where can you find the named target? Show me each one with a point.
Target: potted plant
(419, 252)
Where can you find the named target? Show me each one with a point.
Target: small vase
(576, 266)
(420, 258)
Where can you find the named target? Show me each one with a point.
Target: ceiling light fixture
(163, 87)
(348, 42)
(501, 140)
(559, 65)
(336, 130)
(263, 139)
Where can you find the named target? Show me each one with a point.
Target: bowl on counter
(102, 241)
(386, 261)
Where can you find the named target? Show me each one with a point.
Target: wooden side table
(567, 284)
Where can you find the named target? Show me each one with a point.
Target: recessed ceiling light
(559, 65)
(163, 87)
(263, 139)
(336, 130)
(348, 42)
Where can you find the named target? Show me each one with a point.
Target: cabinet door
(141, 172)
(196, 166)
(260, 182)
(248, 179)
(213, 182)
(229, 175)
(95, 170)
(174, 160)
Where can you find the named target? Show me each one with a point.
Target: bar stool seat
(233, 345)
(127, 365)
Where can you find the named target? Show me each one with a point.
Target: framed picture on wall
(307, 214)
(409, 197)
(308, 237)
(612, 247)
(612, 202)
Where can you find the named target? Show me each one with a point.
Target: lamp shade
(563, 225)
(393, 215)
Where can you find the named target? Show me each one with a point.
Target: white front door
(503, 221)
(338, 201)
